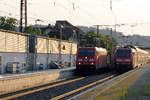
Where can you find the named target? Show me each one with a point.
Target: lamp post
(60, 42)
(74, 32)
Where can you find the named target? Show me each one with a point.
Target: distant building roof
(66, 24)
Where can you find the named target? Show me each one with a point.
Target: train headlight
(80, 60)
(91, 59)
(127, 60)
(92, 63)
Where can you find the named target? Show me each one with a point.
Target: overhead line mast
(23, 15)
(97, 28)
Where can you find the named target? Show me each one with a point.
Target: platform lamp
(60, 42)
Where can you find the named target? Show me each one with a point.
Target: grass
(137, 91)
(135, 87)
(121, 90)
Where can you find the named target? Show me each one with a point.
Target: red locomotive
(90, 58)
(130, 57)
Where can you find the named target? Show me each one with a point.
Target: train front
(85, 60)
(123, 59)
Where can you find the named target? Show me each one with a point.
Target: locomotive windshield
(123, 53)
(86, 52)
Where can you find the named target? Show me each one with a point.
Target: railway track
(69, 88)
(82, 88)
(27, 91)
(92, 93)
(58, 90)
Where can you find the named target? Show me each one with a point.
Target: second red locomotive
(130, 57)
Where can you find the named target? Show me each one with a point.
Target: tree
(100, 41)
(114, 44)
(111, 44)
(39, 32)
(90, 37)
(47, 34)
(8, 23)
(54, 37)
(56, 34)
(30, 30)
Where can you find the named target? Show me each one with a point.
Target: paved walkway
(140, 89)
(136, 87)
(34, 72)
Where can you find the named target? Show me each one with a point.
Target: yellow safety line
(40, 89)
(79, 89)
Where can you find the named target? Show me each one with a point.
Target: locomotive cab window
(123, 53)
(86, 52)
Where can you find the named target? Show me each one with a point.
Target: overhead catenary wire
(94, 17)
(15, 8)
(17, 15)
(78, 8)
(71, 14)
(74, 7)
(14, 12)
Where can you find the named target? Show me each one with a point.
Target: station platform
(134, 87)
(28, 73)
(140, 88)
(14, 82)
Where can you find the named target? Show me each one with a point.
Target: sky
(86, 12)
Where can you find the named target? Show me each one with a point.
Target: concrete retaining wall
(12, 57)
(41, 59)
(18, 82)
(47, 59)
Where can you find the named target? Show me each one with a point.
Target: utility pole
(97, 40)
(97, 28)
(111, 31)
(110, 4)
(23, 15)
(73, 36)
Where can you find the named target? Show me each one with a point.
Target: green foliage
(46, 34)
(91, 37)
(100, 41)
(8, 23)
(39, 32)
(31, 30)
(56, 35)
